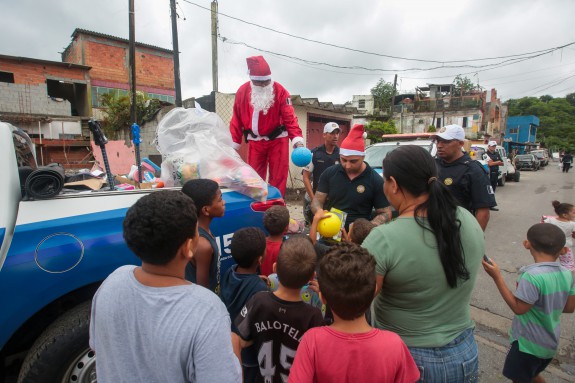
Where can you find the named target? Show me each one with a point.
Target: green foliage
(557, 117)
(382, 94)
(463, 85)
(375, 129)
(431, 129)
(118, 114)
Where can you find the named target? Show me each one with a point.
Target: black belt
(272, 136)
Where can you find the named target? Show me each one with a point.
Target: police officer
(494, 160)
(323, 156)
(464, 177)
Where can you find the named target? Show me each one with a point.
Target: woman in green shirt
(427, 263)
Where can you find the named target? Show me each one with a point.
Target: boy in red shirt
(276, 222)
(350, 350)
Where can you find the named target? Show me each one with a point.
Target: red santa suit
(263, 151)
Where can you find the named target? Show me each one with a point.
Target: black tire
(62, 353)
(517, 175)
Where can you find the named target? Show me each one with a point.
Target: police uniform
(494, 170)
(357, 197)
(321, 160)
(468, 182)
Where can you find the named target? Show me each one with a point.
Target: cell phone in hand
(487, 259)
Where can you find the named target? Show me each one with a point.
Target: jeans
(456, 362)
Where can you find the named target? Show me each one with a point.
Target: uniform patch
(490, 189)
(360, 189)
(288, 101)
(448, 181)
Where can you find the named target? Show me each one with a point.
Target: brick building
(53, 100)
(108, 57)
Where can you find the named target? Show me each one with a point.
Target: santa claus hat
(258, 68)
(354, 144)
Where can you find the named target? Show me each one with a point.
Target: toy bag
(195, 144)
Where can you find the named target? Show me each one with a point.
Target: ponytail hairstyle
(561, 208)
(415, 171)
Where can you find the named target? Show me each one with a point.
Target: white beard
(262, 97)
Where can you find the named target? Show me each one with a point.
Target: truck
(55, 253)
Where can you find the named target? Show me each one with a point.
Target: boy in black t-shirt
(275, 322)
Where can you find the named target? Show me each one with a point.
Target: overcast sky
(432, 30)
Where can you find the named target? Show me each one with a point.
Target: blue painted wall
(522, 129)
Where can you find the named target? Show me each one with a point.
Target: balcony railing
(442, 104)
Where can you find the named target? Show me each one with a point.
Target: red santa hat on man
(353, 144)
(258, 68)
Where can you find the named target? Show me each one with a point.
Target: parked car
(527, 161)
(542, 155)
(374, 154)
(479, 153)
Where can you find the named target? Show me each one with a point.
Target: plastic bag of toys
(194, 144)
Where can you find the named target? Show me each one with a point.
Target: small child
(544, 290)
(276, 222)
(242, 281)
(564, 220)
(148, 323)
(359, 230)
(204, 268)
(350, 349)
(275, 322)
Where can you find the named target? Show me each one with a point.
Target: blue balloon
(301, 156)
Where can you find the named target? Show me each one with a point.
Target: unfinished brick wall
(35, 73)
(109, 59)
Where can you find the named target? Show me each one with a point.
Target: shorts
(522, 367)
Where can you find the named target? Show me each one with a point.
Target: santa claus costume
(265, 118)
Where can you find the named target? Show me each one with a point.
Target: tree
(556, 115)
(382, 94)
(463, 85)
(375, 129)
(118, 115)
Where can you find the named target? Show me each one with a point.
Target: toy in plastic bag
(195, 143)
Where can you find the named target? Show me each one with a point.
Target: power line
(395, 70)
(543, 51)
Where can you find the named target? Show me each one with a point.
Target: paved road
(521, 205)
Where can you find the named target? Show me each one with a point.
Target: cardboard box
(124, 180)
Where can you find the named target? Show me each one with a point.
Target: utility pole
(215, 45)
(132, 59)
(176, 50)
(393, 96)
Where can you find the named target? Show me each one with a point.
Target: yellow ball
(330, 226)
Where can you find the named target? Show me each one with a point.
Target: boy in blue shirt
(242, 281)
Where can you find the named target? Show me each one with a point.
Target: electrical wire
(395, 70)
(543, 51)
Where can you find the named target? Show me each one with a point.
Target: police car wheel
(61, 353)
